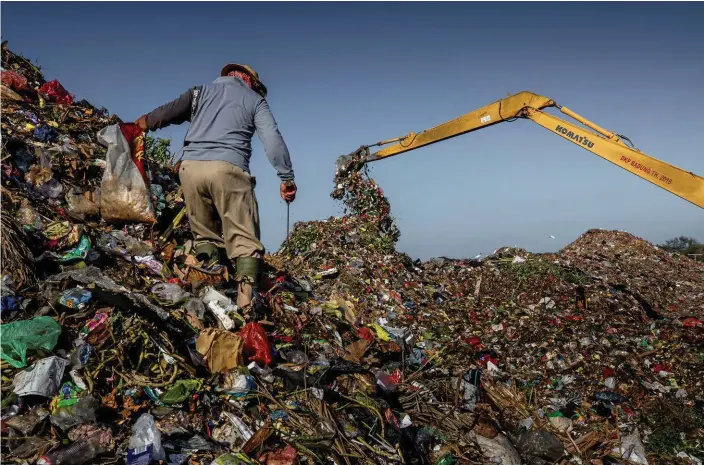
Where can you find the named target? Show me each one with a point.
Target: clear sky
(341, 75)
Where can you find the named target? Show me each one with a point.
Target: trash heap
(117, 348)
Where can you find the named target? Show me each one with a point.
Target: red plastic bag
(256, 345)
(14, 80)
(56, 91)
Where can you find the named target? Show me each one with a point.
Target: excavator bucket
(354, 161)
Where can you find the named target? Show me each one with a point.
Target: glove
(142, 123)
(288, 191)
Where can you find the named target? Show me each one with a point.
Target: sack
(125, 195)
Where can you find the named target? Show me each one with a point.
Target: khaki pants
(222, 207)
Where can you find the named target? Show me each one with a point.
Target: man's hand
(288, 191)
(142, 123)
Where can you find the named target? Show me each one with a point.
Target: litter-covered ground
(117, 348)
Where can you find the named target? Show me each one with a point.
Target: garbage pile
(117, 348)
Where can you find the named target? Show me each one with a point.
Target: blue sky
(345, 74)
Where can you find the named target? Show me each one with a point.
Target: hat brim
(235, 67)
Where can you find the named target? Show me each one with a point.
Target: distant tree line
(684, 245)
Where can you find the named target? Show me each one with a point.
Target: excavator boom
(601, 142)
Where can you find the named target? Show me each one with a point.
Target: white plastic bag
(145, 444)
(125, 194)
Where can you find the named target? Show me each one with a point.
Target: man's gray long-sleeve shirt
(224, 116)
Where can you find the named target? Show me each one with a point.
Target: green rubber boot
(208, 256)
(247, 274)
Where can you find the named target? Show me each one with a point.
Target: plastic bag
(81, 412)
(55, 91)
(256, 345)
(169, 294)
(14, 80)
(125, 191)
(43, 378)
(181, 390)
(45, 134)
(20, 336)
(145, 443)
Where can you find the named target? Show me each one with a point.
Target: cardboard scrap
(222, 350)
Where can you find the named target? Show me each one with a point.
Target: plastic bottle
(78, 453)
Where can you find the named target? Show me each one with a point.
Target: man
(214, 168)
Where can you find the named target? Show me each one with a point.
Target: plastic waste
(145, 442)
(154, 266)
(195, 307)
(125, 191)
(28, 216)
(18, 337)
(45, 134)
(14, 80)
(541, 444)
(447, 459)
(221, 306)
(498, 449)
(283, 456)
(56, 92)
(241, 427)
(385, 381)
(81, 354)
(122, 244)
(632, 449)
(83, 411)
(237, 384)
(22, 158)
(27, 423)
(256, 346)
(76, 298)
(79, 453)
(52, 189)
(169, 294)
(43, 378)
(9, 304)
(96, 331)
(80, 252)
(181, 390)
(296, 357)
(470, 386)
(609, 397)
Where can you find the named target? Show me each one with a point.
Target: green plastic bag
(181, 390)
(18, 337)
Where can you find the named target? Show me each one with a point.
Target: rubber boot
(247, 274)
(208, 255)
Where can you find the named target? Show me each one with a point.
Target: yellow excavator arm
(613, 147)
